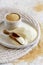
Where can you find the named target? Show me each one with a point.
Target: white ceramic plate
(4, 40)
(8, 55)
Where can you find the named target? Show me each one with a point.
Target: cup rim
(12, 21)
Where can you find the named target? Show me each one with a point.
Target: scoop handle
(6, 32)
(12, 33)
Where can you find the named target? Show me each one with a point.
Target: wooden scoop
(14, 36)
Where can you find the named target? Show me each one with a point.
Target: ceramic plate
(6, 54)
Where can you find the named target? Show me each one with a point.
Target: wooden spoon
(14, 36)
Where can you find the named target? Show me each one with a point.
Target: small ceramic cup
(12, 20)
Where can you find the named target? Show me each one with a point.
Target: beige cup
(12, 20)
